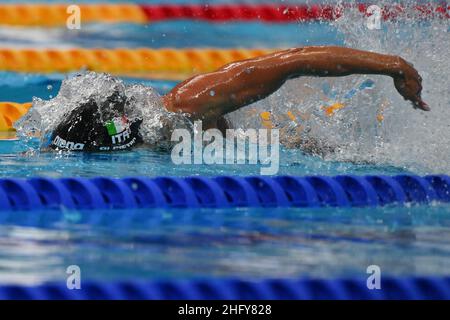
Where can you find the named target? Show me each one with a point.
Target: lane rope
(122, 61)
(51, 15)
(220, 192)
(400, 288)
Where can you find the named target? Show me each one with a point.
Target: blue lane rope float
(223, 289)
(220, 192)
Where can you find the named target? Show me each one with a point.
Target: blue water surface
(244, 243)
(173, 243)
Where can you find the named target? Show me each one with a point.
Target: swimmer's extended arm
(209, 96)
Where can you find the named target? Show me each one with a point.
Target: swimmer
(209, 97)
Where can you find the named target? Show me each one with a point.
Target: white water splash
(45, 115)
(407, 138)
(142, 102)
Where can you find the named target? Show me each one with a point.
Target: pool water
(248, 243)
(18, 160)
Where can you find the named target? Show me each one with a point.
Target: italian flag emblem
(116, 125)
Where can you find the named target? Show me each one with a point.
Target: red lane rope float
(268, 12)
(425, 11)
(277, 13)
(56, 14)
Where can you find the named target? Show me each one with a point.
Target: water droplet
(212, 93)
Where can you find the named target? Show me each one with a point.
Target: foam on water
(412, 139)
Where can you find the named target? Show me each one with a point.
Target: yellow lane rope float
(166, 62)
(57, 14)
(11, 112)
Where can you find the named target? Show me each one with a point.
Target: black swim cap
(91, 127)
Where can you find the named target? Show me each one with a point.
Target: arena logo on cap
(63, 144)
(118, 129)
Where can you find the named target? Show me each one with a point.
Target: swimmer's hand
(408, 83)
